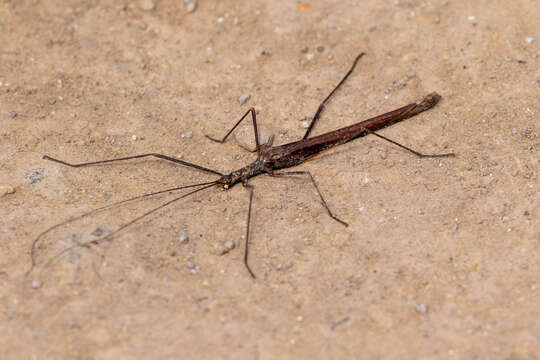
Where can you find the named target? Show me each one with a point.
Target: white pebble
(6, 189)
(147, 5)
(190, 5)
(244, 98)
(529, 39)
(36, 284)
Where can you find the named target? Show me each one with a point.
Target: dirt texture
(441, 259)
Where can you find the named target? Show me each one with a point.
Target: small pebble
(245, 136)
(133, 137)
(13, 114)
(220, 19)
(35, 175)
(471, 18)
(421, 308)
(143, 25)
(36, 284)
(6, 189)
(52, 101)
(305, 124)
(304, 50)
(183, 239)
(188, 134)
(227, 247)
(529, 39)
(97, 232)
(244, 98)
(320, 49)
(190, 5)
(266, 53)
(147, 5)
(308, 242)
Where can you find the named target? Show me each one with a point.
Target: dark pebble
(35, 175)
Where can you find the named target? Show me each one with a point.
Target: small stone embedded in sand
(245, 136)
(244, 98)
(6, 189)
(35, 175)
(183, 239)
(147, 4)
(97, 232)
(190, 5)
(36, 284)
(226, 247)
(421, 308)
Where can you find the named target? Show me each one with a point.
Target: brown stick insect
(270, 160)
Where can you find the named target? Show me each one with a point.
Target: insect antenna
(110, 236)
(103, 208)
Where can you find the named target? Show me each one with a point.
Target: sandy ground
(441, 258)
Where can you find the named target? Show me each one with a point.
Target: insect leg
(254, 117)
(419, 154)
(250, 188)
(159, 156)
(325, 101)
(316, 188)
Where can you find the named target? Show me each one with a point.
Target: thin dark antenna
(101, 209)
(109, 237)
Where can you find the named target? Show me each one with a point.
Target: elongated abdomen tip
(429, 101)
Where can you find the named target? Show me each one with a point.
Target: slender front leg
(254, 117)
(323, 104)
(159, 156)
(316, 188)
(250, 188)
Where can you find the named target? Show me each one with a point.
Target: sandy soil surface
(441, 258)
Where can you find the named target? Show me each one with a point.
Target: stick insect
(270, 160)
